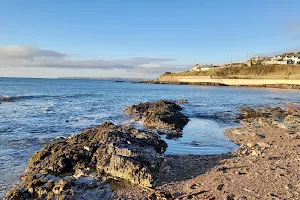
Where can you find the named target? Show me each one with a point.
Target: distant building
(285, 59)
(279, 62)
(292, 59)
(257, 60)
(199, 67)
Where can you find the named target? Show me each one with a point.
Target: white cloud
(33, 57)
(28, 52)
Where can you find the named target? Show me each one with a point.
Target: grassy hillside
(280, 71)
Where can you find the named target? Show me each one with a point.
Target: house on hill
(285, 59)
(199, 67)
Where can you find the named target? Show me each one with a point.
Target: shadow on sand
(184, 167)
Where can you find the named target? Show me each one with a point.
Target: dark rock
(118, 151)
(161, 195)
(292, 122)
(6, 99)
(268, 112)
(220, 187)
(194, 186)
(160, 114)
(250, 113)
(41, 186)
(230, 197)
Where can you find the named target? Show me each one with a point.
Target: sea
(46, 109)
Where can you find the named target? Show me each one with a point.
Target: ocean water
(48, 108)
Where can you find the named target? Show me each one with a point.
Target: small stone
(288, 187)
(240, 173)
(281, 125)
(30, 190)
(244, 152)
(255, 152)
(296, 135)
(291, 132)
(56, 190)
(230, 197)
(264, 144)
(260, 136)
(250, 144)
(78, 173)
(194, 186)
(220, 187)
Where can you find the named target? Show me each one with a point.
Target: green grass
(283, 71)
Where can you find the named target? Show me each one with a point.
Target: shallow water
(48, 108)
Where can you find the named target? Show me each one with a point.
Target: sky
(139, 38)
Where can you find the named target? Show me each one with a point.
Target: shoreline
(279, 83)
(265, 166)
(268, 155)
(219, 84)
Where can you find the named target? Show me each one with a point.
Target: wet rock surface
(42, 186)
(160, 114)
(268, 112)
(6, 99)
(106, 150)
(278, 86)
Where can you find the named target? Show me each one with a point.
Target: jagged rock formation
(159, 114)
(286, 118)
(6, 99)
(118, 151)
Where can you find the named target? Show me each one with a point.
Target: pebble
(30, 190)
(287, 187)
(255, 152)
(86, 148)
(264, 144)
(220, 187)
(194, 186)
(250, 144)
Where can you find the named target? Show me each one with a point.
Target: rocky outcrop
(278, 86)
(117, 151)
(42, 186)
(286, 118)
(159, 114)
(267, 112)
(6, 99)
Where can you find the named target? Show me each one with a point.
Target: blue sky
(167, 34)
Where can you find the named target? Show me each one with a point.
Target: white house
(199, 67)
(283, 60)
(292, 59)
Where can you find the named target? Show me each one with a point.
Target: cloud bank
(33, 57)
(27, 52)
